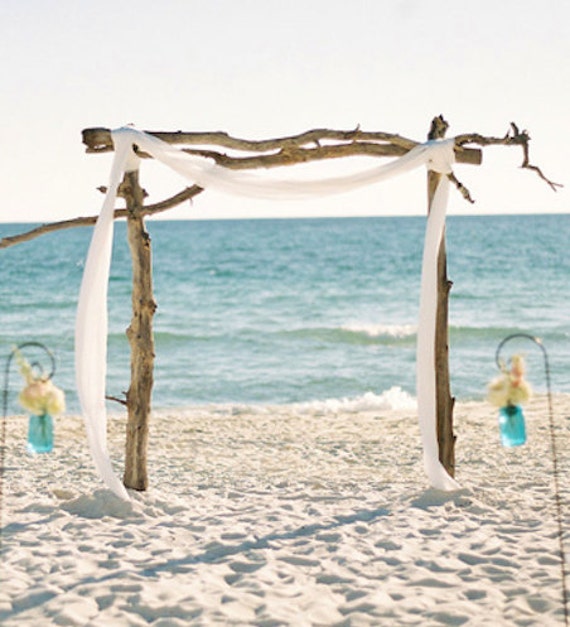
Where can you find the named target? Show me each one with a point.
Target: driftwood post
(444, 400)
(140, 335)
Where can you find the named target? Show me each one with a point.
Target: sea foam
(381, 330)
(394, 398)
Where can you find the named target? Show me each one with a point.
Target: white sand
(287, 517)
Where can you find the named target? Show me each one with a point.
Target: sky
(269, 68)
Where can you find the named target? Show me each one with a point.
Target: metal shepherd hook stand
(557, 498)
(40, 370)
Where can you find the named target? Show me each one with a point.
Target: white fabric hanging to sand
(425, 347)
(91, 323)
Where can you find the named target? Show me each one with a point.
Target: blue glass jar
(511, 426)
(40, 434)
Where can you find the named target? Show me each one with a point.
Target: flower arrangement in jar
(43, 400)
(508, 392)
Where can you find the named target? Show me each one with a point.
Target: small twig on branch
(121, 401)
(462, 189)
(526, 160)
(512, 137)
(554, 186)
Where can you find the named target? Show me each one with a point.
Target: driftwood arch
(313, 145)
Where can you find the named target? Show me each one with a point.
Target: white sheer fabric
(425, 349)
(91, 323)
(438, 155)
(91, 327)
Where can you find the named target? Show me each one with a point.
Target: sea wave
(394, 398)
(381, 330)
(355, 333)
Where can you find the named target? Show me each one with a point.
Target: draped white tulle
(435, 154)
(91, 327)
(91, 323)
(425, 348)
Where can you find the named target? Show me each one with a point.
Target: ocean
(301, 311)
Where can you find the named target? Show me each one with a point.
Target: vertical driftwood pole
(444, 400)
(141, 338)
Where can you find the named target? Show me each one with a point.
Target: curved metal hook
(527, 336)
(558, 500)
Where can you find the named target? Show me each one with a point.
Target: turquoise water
(297, 311)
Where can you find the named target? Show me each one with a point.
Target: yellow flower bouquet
(510, 387)
(43, 400)
(42, 397)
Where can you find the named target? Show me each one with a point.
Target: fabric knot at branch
(441, 155)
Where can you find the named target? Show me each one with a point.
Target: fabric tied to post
(91, 322)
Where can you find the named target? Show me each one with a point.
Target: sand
(287, 516)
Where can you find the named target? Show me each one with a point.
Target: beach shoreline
(287, 515)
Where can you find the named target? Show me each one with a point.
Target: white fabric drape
(435, 154)
(425, 348)
(91, 323)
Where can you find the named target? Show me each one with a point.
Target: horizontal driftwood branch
(164, 205)
(308, 146)
(99, 139)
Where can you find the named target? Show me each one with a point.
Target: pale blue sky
(266, 68)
